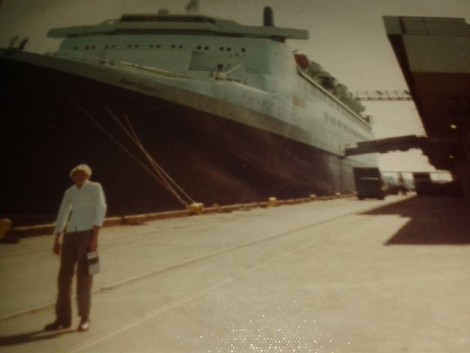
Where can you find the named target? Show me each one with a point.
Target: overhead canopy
(434, 55)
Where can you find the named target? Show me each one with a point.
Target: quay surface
(329, 276)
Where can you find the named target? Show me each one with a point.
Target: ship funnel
(268, 17)
(192, 7)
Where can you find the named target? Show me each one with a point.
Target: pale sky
(347, 37)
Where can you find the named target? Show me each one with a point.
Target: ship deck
(328, 276)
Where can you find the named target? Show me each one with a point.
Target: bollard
(272, 202)
(196, 208)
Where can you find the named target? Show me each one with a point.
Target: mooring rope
(161, 170)
(165, 178)
(163, 181)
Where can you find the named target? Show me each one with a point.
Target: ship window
(151, 46)
(136, 45)
(87, 47)
(93, 47)
(113, 46)
(243, 50)
(106, 46)
(221, 48)
(75, 48)
(181, 47)
(199, 47)
(129, 45)
(206, 48)
(229, 49)
(159, 46)
(173, 46)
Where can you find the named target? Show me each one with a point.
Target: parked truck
(369, 183)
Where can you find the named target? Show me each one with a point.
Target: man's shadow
(34, 336)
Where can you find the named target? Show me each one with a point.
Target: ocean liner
(171, 109)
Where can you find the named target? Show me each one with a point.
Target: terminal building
(434, 55)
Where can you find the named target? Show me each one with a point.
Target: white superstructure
(245, 66)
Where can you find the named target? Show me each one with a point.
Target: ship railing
(330, 95)
(72, 55)
(153, 70)
(220, 76)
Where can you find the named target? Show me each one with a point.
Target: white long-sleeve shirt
(87, 205)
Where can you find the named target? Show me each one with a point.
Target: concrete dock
(329, 276)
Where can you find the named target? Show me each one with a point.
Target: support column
(465, 161)
(462, 174)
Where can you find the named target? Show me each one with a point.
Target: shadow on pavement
(34, 336)
(434, 220)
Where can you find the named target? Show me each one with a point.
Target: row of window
(333, 121)
(158, 46)
(229, 49)
(322, 96)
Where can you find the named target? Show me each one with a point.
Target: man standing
(81, 214)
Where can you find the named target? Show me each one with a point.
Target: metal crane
(383, 95)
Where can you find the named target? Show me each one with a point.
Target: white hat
(83, 168)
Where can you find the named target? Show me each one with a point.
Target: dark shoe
(57, 325)
(84, 325)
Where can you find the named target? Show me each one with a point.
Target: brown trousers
(74, 250)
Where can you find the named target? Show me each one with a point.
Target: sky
(347, 37)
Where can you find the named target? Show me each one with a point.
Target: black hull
(215, 160)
